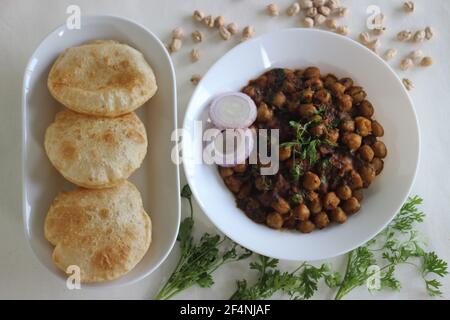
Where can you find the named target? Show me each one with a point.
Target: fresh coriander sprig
(398, 244)
(198, 260)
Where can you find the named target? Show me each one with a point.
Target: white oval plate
(158, 177)
(299, 48)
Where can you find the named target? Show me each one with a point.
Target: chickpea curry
(329, 150)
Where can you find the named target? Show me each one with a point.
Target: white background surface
(23, 24)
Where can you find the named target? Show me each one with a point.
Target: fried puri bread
(95, 152)
(103, 78)
(105, 232)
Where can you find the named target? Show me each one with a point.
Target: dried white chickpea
(177, 33)
(325, 11)
(408, 84)
(426, 62)
(405, 35)
(233, 28)
(342, 11)
(364, 38)
(248, 32)
(308, 22)
(333, 4)
(406, 64)
(195, 79)
(419, 36)
(219, 21)
(175, 45)
(343, 30)
(375, 45)
(390, 54)
(311, 12)
(272, 10)
(197, 36)
(198, 15)
(331, 23)
(408, 6)
(416, 55)
(429, 33)
(293, 9)
(306, 4)
(195, 55)
(319, 19)
(319, 3)
(224, 33)
(208, 21)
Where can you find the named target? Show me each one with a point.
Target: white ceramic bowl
(299, 48)
(157, 179)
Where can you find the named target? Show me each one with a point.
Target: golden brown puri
(105, 232)
(103, 78)
(95, 152)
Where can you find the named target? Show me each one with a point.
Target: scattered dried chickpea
(409, 85)
(333, 4)
(224, 33)
(293, 9)
(375, 45)
(319, 19)
(175, 45)
(197, 36)
(198, 15)
(342, 11)
(420, 36)
(343, 30)
(406, 64)
(219, 21)
(405, 35)
(195, 55)
(248, 32)
(208, 21)
(390, 54)
(325, 11)
(429, 33)
(232, 28)
(311, 12)
(319, 3)
(364, 38)
(308, 22)
(408, 6)
(272, 10)
(331, 24)
(426, 62)
(177, 33)
(195, 79)
(306, 4)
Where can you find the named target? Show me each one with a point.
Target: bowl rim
(112, 19)
(351, 42)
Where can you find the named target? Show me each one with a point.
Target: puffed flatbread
(103, 78)
(104, 232)
(95, 152)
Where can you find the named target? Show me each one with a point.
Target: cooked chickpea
(338, 89)
(315, 206)
(379, 148)
(274, 220)
(363, 126)
(378, 165)
(357, 93)
(264, 113)
(345, 102)
(366, 109)
(306, 227)
(250, 91)
(358, 194)
(366, 153)
(279, 99)
(329, 80)
(348, 126)
(333, 135)
(321, 220)
(261, 183)
(307, 110)
(352, 140)
(377, 129)
(344, 192)
(322, 96)
(312, 195)
(356, 180)
(280, 205)
(338, 215)
(301, 212)
(233, 184)
(347, 82)
(331, 201)
(318, 130)
(285, 153)
(311, 72)
(225, 172)
(240, 168)
(307, 95)
(367, 173)
(311, 181)
(351, 206)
